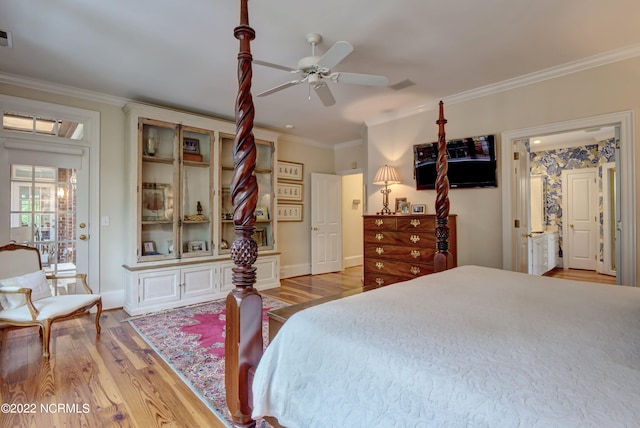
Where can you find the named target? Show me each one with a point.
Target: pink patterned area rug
(191, 342)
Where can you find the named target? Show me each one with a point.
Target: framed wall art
(289, 191)
(290, 171)
(289, 212)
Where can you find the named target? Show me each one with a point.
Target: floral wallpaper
(551, 163)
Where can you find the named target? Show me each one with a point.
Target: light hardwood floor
(581, 275)
(118, 380)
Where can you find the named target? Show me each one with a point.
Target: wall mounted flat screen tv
(472, 163)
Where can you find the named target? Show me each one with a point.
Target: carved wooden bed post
(243, 342)
(442, 259)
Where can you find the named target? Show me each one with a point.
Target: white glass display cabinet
(265, 161)
(180, 223)
(174, 197)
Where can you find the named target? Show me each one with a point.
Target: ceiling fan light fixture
(314, 69)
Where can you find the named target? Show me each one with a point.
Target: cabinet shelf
(157, 159)
(195, 164)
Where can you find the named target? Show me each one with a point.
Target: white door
(47, 167)
(326, 223)
(580, 218)
(49, 210)
(521, 208)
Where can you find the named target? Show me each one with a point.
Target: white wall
(601, 90)
(294, 238)
(352, 202)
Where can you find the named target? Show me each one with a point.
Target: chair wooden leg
(98, 313)
(46, 339)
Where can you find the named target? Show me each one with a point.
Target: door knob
(83, 237)
(314, 228)
(571, 225)
(82, 225)
(528, 235)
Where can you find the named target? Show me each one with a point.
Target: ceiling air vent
(5, 39)
(401, 85)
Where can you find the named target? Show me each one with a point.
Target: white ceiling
(184, 54)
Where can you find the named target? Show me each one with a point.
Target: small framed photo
(149, 248)
(289, 191)
(196, 246)
(191, 145)
(262, 213)
(400, 202)
(290, 171)
(289, 212)
(418, 209)
(403, 207)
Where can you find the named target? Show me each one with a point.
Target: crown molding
(594, 61)
(58, 89)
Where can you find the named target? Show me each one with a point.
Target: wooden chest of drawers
(401, 247)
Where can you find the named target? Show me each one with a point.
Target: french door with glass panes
(45, 214)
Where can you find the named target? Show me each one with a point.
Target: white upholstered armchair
(26, 299)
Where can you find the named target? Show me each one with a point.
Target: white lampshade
(386, 175)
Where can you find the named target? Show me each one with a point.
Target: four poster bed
(468, 346)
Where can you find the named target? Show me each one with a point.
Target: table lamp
(386, 175)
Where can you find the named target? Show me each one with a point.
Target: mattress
(468, 347)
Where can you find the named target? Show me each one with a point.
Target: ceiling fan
(316, 71)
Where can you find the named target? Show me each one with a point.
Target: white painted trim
(606, 219)
(527, 79)
(626, 266)
(113, 299)
(55, 88)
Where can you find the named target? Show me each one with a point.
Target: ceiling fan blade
(279, 88)
(360, 79)
(324, 93)
(272, 65)
(335, 54)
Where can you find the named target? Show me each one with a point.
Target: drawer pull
(415, 222)
(379, 265)
(415, 270)
(379, 250)
(379, 222)
(379, 281)
(414, 238)
(379, 236)
(415, 254)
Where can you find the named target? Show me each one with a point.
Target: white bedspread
(469, 347)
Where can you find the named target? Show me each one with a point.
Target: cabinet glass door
(264, 207)
(157, 189)
(196, 178)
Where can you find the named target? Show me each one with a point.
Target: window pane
(42, 125)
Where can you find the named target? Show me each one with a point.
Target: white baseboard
(295, 270)
(112, 299)
(352, 261)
